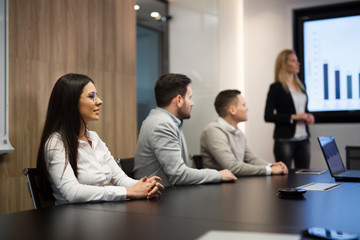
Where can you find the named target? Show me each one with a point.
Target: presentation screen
(327, 41)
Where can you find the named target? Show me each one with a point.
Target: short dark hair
(224, 99)
(169, 86)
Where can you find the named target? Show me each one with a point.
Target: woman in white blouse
(76, 164)
(286, 106)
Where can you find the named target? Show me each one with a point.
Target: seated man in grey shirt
(161, 149)
(223, 145)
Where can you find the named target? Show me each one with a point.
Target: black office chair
(127, 165)
(353, 157)
(198, 161)
(40, 196)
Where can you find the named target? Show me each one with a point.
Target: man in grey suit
(223, 145)
(161, 148)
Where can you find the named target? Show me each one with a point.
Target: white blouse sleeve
(119, 178)
(64, 183)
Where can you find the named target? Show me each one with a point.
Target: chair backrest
(198, 161)
(40, 196)
(127, 165)
(353, 157)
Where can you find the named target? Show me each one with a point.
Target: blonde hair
(280, 72)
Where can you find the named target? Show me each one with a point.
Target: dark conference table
(187, 212)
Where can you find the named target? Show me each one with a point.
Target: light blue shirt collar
(177, 121)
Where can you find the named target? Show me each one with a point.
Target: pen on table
(329, 188)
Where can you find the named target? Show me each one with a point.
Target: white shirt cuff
(115, 193)
(268, 169)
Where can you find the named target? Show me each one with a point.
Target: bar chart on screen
(332, 66)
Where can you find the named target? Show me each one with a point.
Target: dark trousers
(297, 150)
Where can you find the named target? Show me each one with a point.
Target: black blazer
(279, 108)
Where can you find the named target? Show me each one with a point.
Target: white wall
(233, 44)
(204, 47)
(194, 52)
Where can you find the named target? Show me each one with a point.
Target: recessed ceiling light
(136, 7)
(155, 15)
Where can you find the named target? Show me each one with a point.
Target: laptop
(334, 162)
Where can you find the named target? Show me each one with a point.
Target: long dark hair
(63, 117)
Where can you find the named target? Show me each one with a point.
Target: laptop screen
(331, 154)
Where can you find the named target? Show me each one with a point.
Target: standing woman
(74, 161)
(286, 106)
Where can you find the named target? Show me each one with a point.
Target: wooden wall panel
(47, 40)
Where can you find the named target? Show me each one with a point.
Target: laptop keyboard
(349, 174)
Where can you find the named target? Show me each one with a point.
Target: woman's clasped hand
(145, 187)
